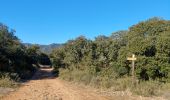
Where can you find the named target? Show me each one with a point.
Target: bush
(6, 81)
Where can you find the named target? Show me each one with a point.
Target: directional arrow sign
(132, 58)
(129, 58)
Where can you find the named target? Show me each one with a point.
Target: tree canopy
(149, 40)
(15, 57)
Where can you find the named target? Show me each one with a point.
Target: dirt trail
(44, 86)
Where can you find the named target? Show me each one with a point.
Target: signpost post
(133, 58)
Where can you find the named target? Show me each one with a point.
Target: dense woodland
(105, 58)
(16, 59)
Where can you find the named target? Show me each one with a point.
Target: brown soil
(44, 86)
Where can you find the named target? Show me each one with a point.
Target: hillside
(45, 48)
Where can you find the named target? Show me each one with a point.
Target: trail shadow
(44, 73)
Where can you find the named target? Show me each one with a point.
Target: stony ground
(44, 86)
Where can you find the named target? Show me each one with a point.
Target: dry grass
(6, 81)
(144, 88)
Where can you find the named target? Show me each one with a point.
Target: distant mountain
(45, 48)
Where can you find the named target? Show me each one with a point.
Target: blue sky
(56, 21)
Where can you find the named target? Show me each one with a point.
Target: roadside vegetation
(16, 60)
(102, 62)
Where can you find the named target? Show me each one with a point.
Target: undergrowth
(144, 88)
(8, 80)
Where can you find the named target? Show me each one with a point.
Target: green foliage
(15, 58)
(105, 58)
(44, 59)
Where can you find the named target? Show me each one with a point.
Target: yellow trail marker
(133, 58)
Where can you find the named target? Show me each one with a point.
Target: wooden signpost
(133, 58)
